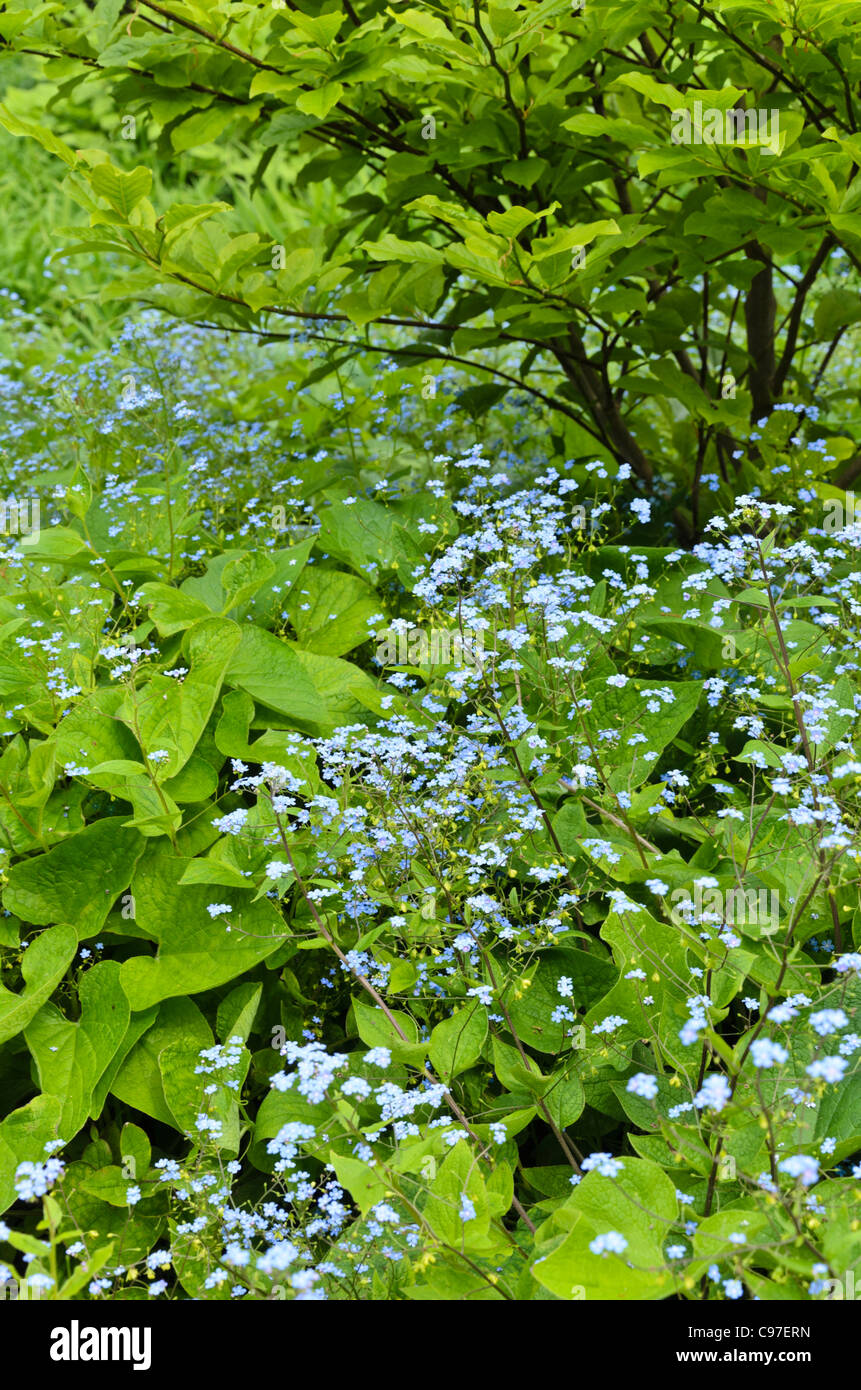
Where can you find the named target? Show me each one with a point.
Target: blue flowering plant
(334, 970)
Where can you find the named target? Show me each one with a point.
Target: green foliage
(563, 198)
(422, 877)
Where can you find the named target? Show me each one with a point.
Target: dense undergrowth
(422, 877)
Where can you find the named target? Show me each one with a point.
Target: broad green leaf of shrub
(280, 1108)
(122, 191)
(210, 869)
(172, 610)
(46, 138)
(270, 671)
(367, 536)
(344, 692)
(201, 128)
(330, 611)
(197, 781)
(831, 1112)
(78, 880)
(270, 577)
(641, 1204)
(626, 711)
(196, 952)
(72, 1057)
(565, 1098)
(169, 715)
(459, 1176)
(838, 720)
(237, 1011)
(711, 1241)
(109, 1184)
(234, 724)
(641, 942)
(90, 734)
(838, 1235)
(232, 740)
(135, 1149)
(320, 101)
(139, 1081)
(138, 1025)
(364, 1184)
(515, 1074)
(457, 1041)
(44, 964)
(137, 1229)
(154, 814)
(23, 1136)
(242, 576)
(453, 1283)
(31, 816)
(194, 1264)
(184, 1085)
(532, 998)
(376, 1030)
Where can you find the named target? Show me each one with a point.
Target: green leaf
(321, 100)
(46, 138)
(44, 964)
(280, 1108)
(330, 610)
(392, 248)
(171, 609)
(712, 1238)
(457, 1041)
(211, 870)
(23, 1136)
(237, 1012)
(242, 576)
(139, 1081)
(642, 942)
(78, 880)
(366, 535)
(660, 92)
(459, 1176)
(184, 1091)
(565, 1097)
(640, 707)
(364, 1185)
(135, 1150)
(70, 1057)
(427, 25)
(511, 222)
(122, 191)
(532, 998)
(641, 1205)
(109, 1185)
(377, 1030)
(90, 735)
(196, 952)
(201, 128)
(836, 309)
(170, 715)
(270, 671)
(195, 782)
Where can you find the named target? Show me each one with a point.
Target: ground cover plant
(428, 809)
